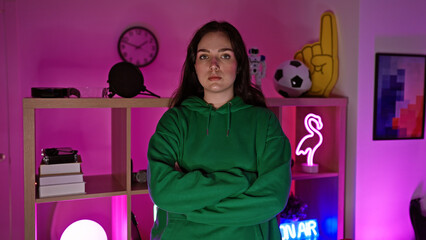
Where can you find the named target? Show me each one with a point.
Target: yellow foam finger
(307, 55)
(328, 35)
(316, 50)
(298, 56)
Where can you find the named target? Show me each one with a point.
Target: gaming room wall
(74, 45)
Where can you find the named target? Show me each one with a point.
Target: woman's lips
(214, 78)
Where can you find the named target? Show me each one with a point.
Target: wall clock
(138, 45)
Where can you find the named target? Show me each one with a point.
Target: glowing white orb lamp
(84, 230)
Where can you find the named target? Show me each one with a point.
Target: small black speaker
(37, 92)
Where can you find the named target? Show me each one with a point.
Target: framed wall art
(399, 96)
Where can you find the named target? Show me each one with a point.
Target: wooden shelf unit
(118, 183)
(331, 161)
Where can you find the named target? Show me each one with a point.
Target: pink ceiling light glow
(313, 125)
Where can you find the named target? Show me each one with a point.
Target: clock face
(138, 46)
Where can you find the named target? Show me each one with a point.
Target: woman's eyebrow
(203, 50)
(225, 49)
(220, 50)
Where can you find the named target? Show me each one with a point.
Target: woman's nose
(214, 65)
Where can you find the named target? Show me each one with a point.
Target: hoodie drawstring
(208, 118)
(228, 123)
(229, 119)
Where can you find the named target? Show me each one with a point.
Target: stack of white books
(60, 179)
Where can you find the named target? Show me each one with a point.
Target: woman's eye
(226, 56)
(203, 57)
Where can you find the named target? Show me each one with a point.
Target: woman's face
(216, 65)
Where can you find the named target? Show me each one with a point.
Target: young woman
(219, 162)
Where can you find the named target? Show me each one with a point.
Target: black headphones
(126, 80)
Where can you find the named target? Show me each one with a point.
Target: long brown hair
(243, 87)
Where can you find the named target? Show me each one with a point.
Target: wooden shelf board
(96, 186)
(45, 103)
(138, 192)
(145, 102)
(307, 102)
(296, 175)
(79, 196)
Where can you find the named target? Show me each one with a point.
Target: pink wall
(11, 168)
(4, 138)
(387, 172)
(55, 43)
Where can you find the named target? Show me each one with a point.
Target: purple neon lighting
(310, 120)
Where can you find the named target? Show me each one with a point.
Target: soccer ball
(292, 79)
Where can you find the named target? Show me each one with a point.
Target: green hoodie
(234, 175)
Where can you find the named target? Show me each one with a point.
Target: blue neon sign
(307, 229)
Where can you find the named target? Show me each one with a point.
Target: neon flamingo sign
(313, 125)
